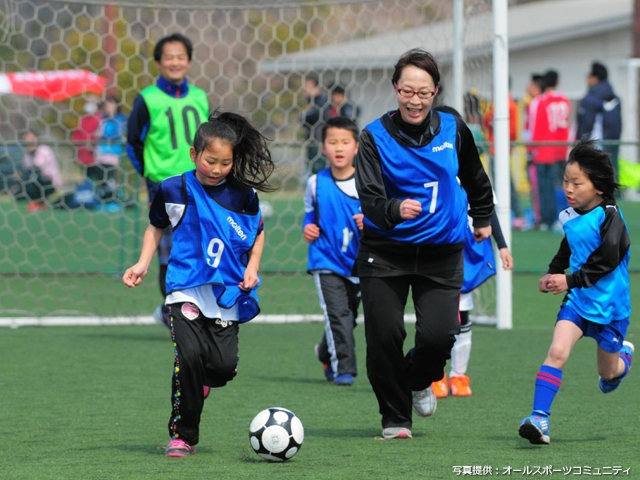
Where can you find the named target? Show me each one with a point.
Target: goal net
(64, 248)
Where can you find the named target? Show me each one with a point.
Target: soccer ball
(276, 434)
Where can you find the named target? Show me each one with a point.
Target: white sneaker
(424, 402)
(391, 433)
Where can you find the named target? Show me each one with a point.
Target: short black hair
(312, 77)
(550, 78)
(418, 58)
(338, 89)
(596, 164)
(599, 71)
(344, 123)
(174, 37)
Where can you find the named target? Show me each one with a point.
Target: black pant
(31, 186)
(339, 300)
(392, 374)
(104, 178)
(206, 353)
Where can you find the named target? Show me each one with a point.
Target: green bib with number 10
(173, 124)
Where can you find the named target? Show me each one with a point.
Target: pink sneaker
(179, 448)
(206, 390)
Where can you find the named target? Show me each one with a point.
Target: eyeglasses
(408, 93)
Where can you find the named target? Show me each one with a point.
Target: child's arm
(507, 258)
(498, 236)
(560, 262)
(606, 258)
(310, 229)
(310, 232)
(251, 272)
(135, 274)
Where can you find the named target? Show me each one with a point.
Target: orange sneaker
(36, 206)
(460, 386)
(441, 388)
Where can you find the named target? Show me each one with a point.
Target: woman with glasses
(417, 171)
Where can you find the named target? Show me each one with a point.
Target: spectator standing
(160, 131)
(112, 133)
(535, 87)
(600, 113)
(550, 119)
(332, 225)
(87, 131)
(487, 125)
(417, 173)
(311, 120)
(339, 106)
(39, 176)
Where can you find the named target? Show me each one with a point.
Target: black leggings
(206, 353)
(394, 375)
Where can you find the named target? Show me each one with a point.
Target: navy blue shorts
(608, 336)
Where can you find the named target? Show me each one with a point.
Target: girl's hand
(134, 275)
(310, 232)
(481, 233)
(557, 283)
(359, 218)
(250, 280)
(410, 209)
(542, 283)
(507, 258)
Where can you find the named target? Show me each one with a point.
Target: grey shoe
(424, 402)
(391, 433)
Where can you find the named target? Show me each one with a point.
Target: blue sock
(627, 364)
(548, 383)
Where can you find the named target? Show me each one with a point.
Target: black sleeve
(560, 262)
(158, 216)
(137, 127)
(382, 211)
(496, 231)
(472, 177)
(606, 258)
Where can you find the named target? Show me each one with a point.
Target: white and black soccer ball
(276, 434)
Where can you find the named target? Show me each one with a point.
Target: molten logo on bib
(190, 311)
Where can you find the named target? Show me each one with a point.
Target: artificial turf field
(93, 402)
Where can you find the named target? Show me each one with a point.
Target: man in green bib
(160, 130)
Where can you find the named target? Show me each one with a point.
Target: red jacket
(549, 122)
(86, 131)
(487, 122)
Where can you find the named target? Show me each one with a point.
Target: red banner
(54, 85)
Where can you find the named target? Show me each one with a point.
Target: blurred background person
(535, 87)
(39, 176)
(111, 134)
(550, 118)
(339, 105)
(487, 125)
(600, 113)
(311, 122)
(87, 130)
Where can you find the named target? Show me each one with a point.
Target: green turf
(93, 403)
